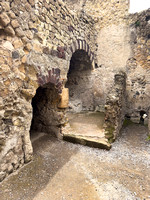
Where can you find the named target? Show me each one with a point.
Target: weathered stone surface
(12, 14)
(115, 107)
(15, 23)
(4, 19)
(15, 55)
(8, 45)
(9, 30)
(5, 6)
(88, 141)
(47, 35)
(19, 32)
(28, 93)
(2, 175)
(32, 2)
(17, 43)
(64, 102)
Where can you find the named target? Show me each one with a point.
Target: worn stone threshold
(88, 141)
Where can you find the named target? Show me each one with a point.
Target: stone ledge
(88, 141)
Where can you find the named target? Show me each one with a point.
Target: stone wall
(47, 117)
(103, 12)
(115, 107)
(37, 40)
(138, 65)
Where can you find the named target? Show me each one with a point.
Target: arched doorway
(79, 83)
(47, 117)
(85, 124)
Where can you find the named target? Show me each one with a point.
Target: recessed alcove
(46, 116)
(85, 123)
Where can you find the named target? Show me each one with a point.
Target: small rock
(2, 175)
(12, 15)
(4, 19)
(15, 55)
(15, 23)
(8, 45)
(29, 34)
(32, 2)
(5, 6)
(19, 32)
(9, 30)
(17, 43)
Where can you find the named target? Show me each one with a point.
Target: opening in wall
(79, 82)
(46, 115)
(85, 123)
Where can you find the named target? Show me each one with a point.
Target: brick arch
(82, 45)
(52, 76)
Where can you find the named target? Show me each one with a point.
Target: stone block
(5, 6)
(21, 68)
(4, 19)
(37, 48)
(29, 34)
(15, 55)
(15, 23)
(8, 45)
(28, 93)
(32, 2)
(17, 43)
(64, 98)
(19, 32)
(28, 7)
(24, 59)
(12, 14)
(2, 175)
(10, 31)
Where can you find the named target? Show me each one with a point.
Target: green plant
(137, 23)
(148, 138)
(127, 122)
(109, 134)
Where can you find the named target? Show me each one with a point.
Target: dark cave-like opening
(46, 118)
(79, 82)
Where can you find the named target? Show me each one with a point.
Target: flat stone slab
(87, 129)
(88, 141)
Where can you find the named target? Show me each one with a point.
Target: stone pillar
(64, 98)
(115, 107)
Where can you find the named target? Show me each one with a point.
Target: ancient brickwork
(103, 12)
(37, 40)
(115, 107)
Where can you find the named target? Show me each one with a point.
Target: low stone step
(95, 142)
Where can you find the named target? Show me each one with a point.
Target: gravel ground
(65, 171)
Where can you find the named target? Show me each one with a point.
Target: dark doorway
(79, 82)
(85, 125)
(46, 115)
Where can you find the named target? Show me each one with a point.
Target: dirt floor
(64, 171)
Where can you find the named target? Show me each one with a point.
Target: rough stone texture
(115, 107)
(64, 101)
(46, 116)
(37, 41)
(138, 65)
(80, 83)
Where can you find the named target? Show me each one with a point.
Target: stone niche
(47, 117)
(80, 83)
